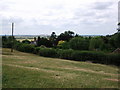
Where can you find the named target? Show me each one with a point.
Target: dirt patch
(31, 68)
(75, 68)
(88, 70)
(116, 80)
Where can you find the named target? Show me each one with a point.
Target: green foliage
(95, 43)
(36, 50)
(26, 41)
(65, 54)
(113, 59)
(47, 52)
(63, 45)
(66, 36)
(93, 56)
(117, 40)
(25, 47)
(44, 41)
(53, 38)
(8, 42)
(70, 47)
(79, 43)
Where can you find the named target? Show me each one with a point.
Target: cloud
(102, 5)
(45, 16)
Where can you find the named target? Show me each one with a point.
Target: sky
(36, 17)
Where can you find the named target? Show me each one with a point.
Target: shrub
(95, 43)
(25, 47)
(47, 52)
(63, 45)
(113, 59)
(36, 50)
(17, 46)
(44, 41)
(65, 54)
(87, 55)
(96, 57)
(79, 43)
(7, 42)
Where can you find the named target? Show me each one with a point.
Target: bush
(87, 55)
(8, 42)
(113, 59)
(36, 50)
(63, 45)
(25, 47)
(47, 52)
(79, 43)
(17, 45)
(96, 57)
(95, 43)
(65, 54)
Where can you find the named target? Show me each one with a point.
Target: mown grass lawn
(24, 70)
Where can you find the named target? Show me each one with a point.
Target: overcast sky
(34, 17)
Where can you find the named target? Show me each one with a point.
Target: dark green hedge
(24, 47)
(64, 54)
(93, 56)
(36, 50)
(113, 59)
(47, 52)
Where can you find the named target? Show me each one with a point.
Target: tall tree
(44, 41)
(53, 39)
(66, 36)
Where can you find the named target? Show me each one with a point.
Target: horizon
(49, 35)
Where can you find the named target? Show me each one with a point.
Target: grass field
(24, 70)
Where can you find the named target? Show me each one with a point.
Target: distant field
(25, 39)
(24, 70)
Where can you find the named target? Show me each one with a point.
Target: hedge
(94, 56)
(24, 47)
(65, 54)
(47, 52)
(36, 50)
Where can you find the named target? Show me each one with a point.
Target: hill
(24, 70)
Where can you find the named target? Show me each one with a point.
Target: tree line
(68, 45)
(70, 40)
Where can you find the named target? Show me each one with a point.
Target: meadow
(25, 70)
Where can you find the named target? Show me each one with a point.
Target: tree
(64, 45)
(66, 36)
(7, 41)
(79, 43)
(44, 41)
(38, 41)
(53, 39)
(117, 40)
(95, 43)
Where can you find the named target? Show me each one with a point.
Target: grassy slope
(25, 70)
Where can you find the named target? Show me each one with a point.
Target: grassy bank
(23, 70)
